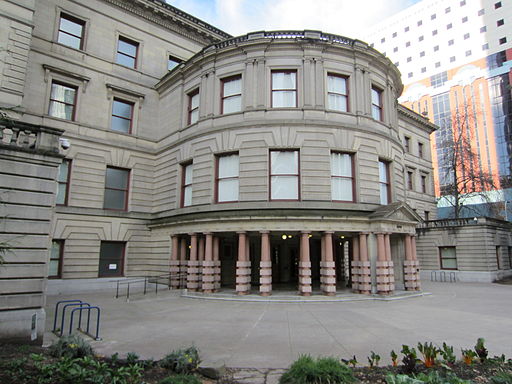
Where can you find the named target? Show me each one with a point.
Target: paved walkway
(273, 334)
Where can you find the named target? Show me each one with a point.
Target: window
(497, 5)
(383, 40)
(452, 59)
(466, 36)
(434, 32)
(284, 89)
(394, 34)
(62, 101)
(63, 182)
(420, 150)
(406, 29)
(436, 48)
(284, 175)
(111, 259)
(122, 116)
(397, 63)
(449, 26)
(384, 184)
(498, 257)
(231, 94)
(427, 215)
(377, 103)
(465, 19)
(186, 184)
(420, 38)
(468, 53)
(407, 144)
(419, 23)
(500, 22)
(437, 64)
(395, 49)
(423, 184)
(173, 62)
(423, 69)
(227, 178)
(71, 31)
(407, 44)
(410, 74)
(447, 10)
(55, 264)
(503, 40)
(127, 52)
(485, 47)
(439, 79)
(193, 106)
(483, 29)
(116, 188)
(337, 92)
(510, 257)
(481, 12)
(448, 257)
(463, 3)
(450, 42)
(433, 17)
(342, 177)
(409, 59)
(409, 180)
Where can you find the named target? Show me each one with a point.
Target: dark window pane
(69, 40)
(70, 27)
(122, 109)
(127, 48)
(117, 178)
(115, 199)
(125, 60)
(120, 125)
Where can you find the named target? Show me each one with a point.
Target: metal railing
(80, 306)
(443, 276)
(171, 280)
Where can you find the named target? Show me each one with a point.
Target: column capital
(379, 233)
(192, 234)
(305, 232)
(241, 232)
(207, 233)
(329, 232)
(264, 232)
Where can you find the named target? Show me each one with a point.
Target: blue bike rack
(80, 306)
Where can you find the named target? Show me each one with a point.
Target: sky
(349, 18)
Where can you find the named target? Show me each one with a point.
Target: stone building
(271, 160)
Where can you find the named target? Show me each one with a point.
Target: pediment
(398, 211)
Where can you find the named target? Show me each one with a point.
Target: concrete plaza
(269, 334)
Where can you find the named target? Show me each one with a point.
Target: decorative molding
(50, 69)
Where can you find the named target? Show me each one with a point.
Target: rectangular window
(342, 177)
(71, 31)
(173, 62)
(232, 94)
(227, 178)
(127, 52)
(117, 181)
(448, 257)
(409, 178)
(64, 173)
(284, 89)
(407, 144)
(186, 184)
(384, 184)
(498, 257)
(510, 257)
(56, 254)
(420, 150)
(111, 259)
(424, 184)
(284, 175)
(337, 93)
(122, 116)
(62, 101)
(193, 106)
(427, 215)
(377, 104)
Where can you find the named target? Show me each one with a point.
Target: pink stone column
(411, 277)
(355, 265)
(304, 266)
(183, 262)
(265, 265)
(383, 283)
(365, 278)
(200, 260)
(216, 262)
(192, 269)
(327, 266)
(208, 265)
(243, 266)
(174, 267)
(391, 275)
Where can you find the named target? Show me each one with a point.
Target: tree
(463, 179)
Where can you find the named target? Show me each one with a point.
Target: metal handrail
(150, 279)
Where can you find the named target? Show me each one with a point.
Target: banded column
(365, 276)
(327, 266)
(174, 264)
(383, 268)
(355, 273)
(192, 269)
(391, 275)
(208, 271)
(243, 266)
(304, 266)
(216, 263)
(200, 260)
(265, 265)
(411, 277)
(183, 263)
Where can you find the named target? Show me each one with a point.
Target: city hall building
(142, 141)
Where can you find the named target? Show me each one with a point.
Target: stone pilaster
(243, 266)
(192, 269)
(174, 262)
(365, 276)
(265, 266)
(183, 263)
(327, 266)
(354, 271)
(304, 266)
(385, 276)
(208, 272)
(216, 264)
(200, 260)
(411, 265)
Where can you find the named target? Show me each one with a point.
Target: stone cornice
(406, 112)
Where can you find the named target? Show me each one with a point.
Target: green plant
(180, 379)
(394, 358)
(373, 359)
(132, 358)
(468, 355)
(448, 354)
(401, 379)
(323, 370)
(480, 349)
(72, 346)
(502, 377)
(409, 360)
(434, 377)
(429, 353)
(182, 361)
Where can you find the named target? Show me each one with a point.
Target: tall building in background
(456, 58)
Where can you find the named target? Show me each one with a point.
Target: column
(183, 263)
(243, 266)
(391, 275)
(327, 266)
(304, 266)
(208, 271)
(365, 277)
(265, 265)
(174, 265)
(383, 281)
(410, 264)
(200, 260)
(354, 272)
(216, 263)
(192, 269)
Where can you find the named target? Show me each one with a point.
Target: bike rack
(88, 308)
(80, 307)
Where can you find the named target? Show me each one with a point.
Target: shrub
(432, 377)
(180, 379)
(401, 379)
(409, 360)
(71, 346)
(182, 361)
(132, 358)
(502, 377)
(480, 349)
(324, 370)
(429, 353)
(448, 354)
(468, 355)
